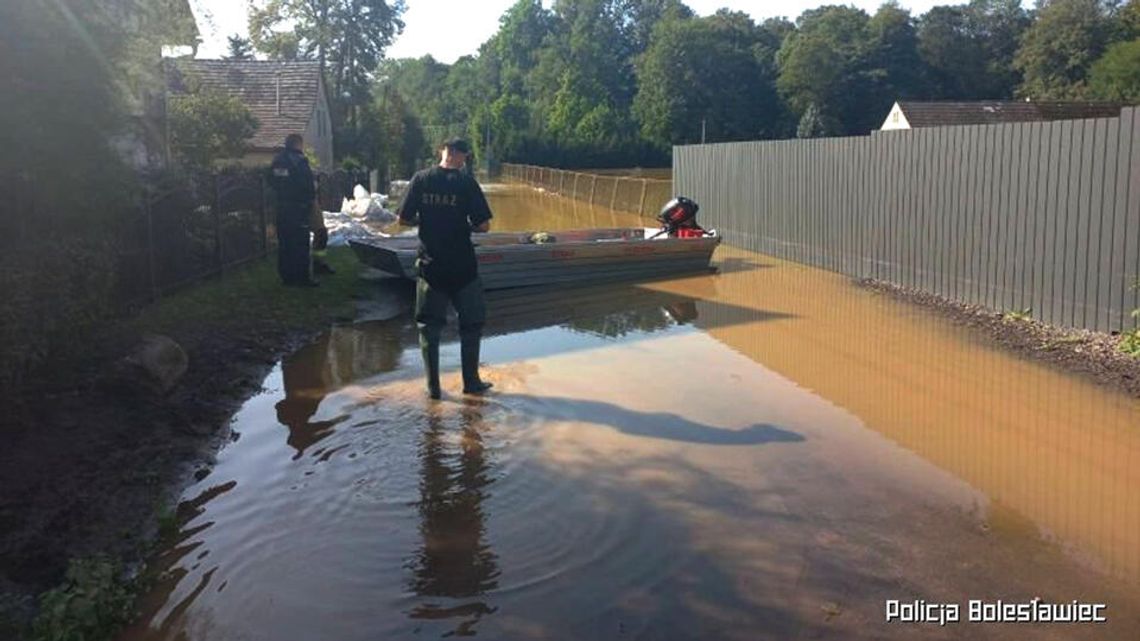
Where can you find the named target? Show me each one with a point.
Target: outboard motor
(679, 219)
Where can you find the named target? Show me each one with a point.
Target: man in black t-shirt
(448, 206)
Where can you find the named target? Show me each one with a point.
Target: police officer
(448, 205)
(296, 193)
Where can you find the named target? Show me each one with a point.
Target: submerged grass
(1024, 315)
(1130, 340)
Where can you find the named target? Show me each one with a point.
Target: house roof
(255, 82)
(943, 114)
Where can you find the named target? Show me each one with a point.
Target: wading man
(296, 194)
(448, 205)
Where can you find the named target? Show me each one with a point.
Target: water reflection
(354, 353)
(1061, 451)
(339, 357)
(650, 318)
(455, 561)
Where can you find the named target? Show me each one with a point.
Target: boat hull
(506, 260)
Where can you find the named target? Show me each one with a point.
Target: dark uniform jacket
(292, 178)
(447, 204)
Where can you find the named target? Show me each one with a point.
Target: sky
(448, 29)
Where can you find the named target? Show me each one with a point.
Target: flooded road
(763, 453)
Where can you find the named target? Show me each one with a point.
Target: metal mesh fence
(192, 230)
(643, 196)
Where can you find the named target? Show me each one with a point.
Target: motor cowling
(678, 218)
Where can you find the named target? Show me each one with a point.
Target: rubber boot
(430, 352)
(469, 355)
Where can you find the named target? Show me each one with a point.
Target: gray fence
(1042, 216)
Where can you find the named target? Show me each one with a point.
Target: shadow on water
(455, 560)
(352, 353)
(661, 425)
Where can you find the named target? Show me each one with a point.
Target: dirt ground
(1094, 355)
(88, 471)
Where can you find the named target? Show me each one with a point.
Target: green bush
(54, 292)
(208, 127)
(93, 603)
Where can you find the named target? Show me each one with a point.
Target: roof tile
(255, 83)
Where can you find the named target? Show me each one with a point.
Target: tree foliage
(707, 75)
(582, 82)
(239, 48)
(824, 62)
(1116, 76)
(1060, 47)
(209, 127)
(968, 49)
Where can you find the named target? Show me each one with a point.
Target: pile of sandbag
(344, 227)
(367, 206)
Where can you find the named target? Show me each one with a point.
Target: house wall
(896, 119)
(318, 134)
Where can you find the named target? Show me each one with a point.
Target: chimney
(278, 93)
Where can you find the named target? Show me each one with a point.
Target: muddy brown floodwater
(768, 452)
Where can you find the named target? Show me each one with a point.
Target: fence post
(218, 222)
(641, 205)
(561, 181)
(613, 196)
(593, 186)
(261, 217)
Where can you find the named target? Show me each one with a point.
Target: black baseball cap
(457, 144)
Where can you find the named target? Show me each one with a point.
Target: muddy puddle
(763, 453)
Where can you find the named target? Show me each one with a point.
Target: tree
(421, 83)
(1058, 50)
(523, 31)
(895, 65)
(998, 27)
(347, 37)
(969, 49)
(207, 127)
(240, 48)
(950, 51)
(824, 63)
(705, 74)
(812, 124)
(1116, 76)
(586, 54)
(1128, 21)
(639, 17)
